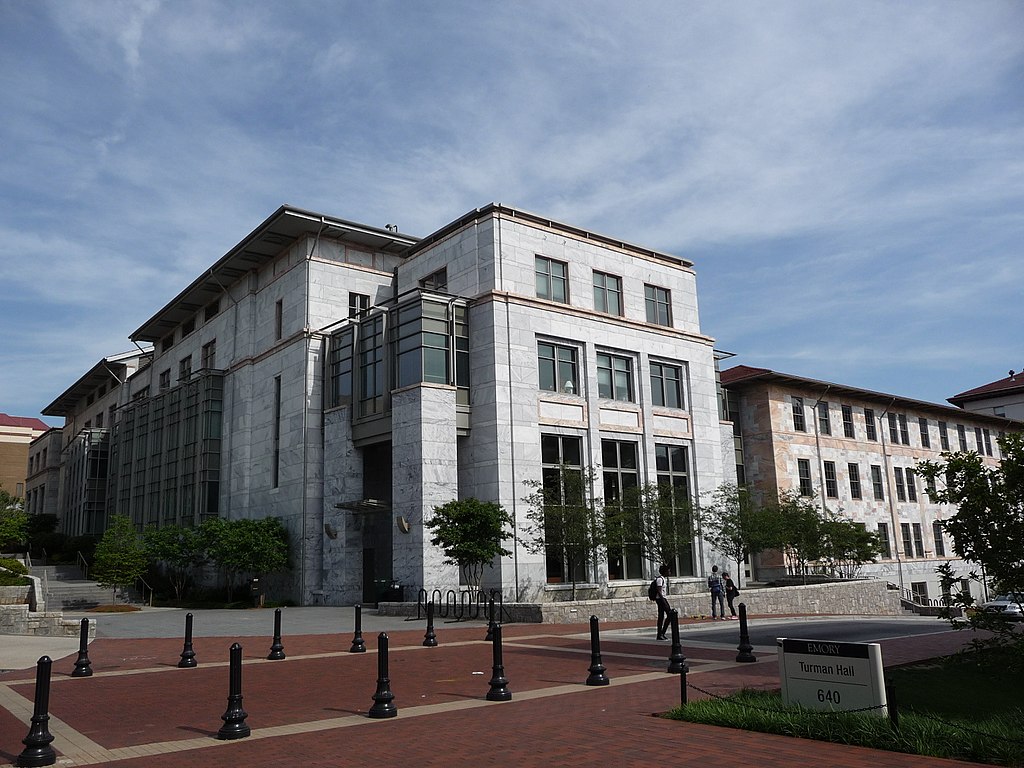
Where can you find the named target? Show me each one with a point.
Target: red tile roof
(1012, 383)
(24, 422)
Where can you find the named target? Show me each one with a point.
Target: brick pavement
(140, 711)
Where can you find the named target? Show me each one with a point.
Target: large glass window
(614, 377)
(659, 305)
(421, 336)
(563, 478)
(621, 478)
(358, 303)
(552, 279)
(607, 293)
(667, 385)
(676, 524)
(371, 366)
(557, 368)
(339, 365)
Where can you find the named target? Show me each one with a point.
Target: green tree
(656, 518)
(799, 533)
(846, 545)
(564, 522)
(120, 557)
(13, 520)
(470, 532)
(987, 529)
(181, 550)
(242, 548)
(737, 526)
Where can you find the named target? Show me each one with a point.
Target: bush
(14, 566)
(10, 580)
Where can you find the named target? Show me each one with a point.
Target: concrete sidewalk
(139, 711)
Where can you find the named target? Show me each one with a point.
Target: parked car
(1007, 606)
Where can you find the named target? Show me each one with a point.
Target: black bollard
(499, 685)
(37, 744)
(490, 620)
(682, 688)
(83, 667)
(744, 647)
(597, 675)
(676, 660)
(430, 639)
(383, 699)
(188, 656)
(234, 716)
(891, 708)
(358, 644)
(276, 650)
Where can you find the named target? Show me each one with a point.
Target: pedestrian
(661, 590)
(717, 590)
(731, 590)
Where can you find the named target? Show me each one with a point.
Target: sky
(848, 178)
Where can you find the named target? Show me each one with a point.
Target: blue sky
(847, 177)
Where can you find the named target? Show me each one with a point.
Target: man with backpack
(717, 589)
(657, 592)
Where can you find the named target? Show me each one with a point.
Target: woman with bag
(731, 591)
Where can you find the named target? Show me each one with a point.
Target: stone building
(42, 486)
(855, 452)
(1004, 397)
(347, 379)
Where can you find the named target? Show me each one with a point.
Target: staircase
(67, 589)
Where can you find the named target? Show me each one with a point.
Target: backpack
(652, 591)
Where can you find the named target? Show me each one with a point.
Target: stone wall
(866, 597)
(18, 620)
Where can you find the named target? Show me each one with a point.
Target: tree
(470, 532)
(181, 550)
(653, 517)
(846, 545)
(737, 526)
(564, 521)
(13, 520)
(987, 529)
(120, 557)
(246, 547)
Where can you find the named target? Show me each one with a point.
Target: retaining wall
(19, 620)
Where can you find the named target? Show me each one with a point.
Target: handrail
(146, 585)
(84, 563)
(28, 559)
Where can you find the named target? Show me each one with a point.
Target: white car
(1007, 606)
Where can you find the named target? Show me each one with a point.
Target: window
(987, 436)
(420, 342)
(563, 483)
(824, 422)
(918, 541)
(211, 311)
(185, 368)
(894, 429)
(621, 479)
(667, 385)
(943, 436)
(339, 369)
(940, 544)
(187, 327)
(804, 471)
(614, 377)
(908, 543)
(167, 342)
(901, 489)
(911, 485)
(919, 592)
(961, 436)
(557, 368)
(854, 471)
(371, 366)
(209, 354)
(278, 319)
(869, 424)
(922, 425)
(659, 305)
(607, 293)
(831, 484)
(438, 281)
(276, 434)
(848, 430)
(929, 484)
(552, 279)
(799, 424)
(672, 465)
(904, 431)
(883, 536)
(165, 379)
(358, 304)
(99, 420)
(876, 482)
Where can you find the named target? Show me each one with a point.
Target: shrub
(14, 566)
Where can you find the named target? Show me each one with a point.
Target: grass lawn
(959, 710)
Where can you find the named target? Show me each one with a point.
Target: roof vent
(1012, 373)
(391, 227)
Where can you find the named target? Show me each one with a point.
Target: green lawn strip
(998, 740)
(958, 689)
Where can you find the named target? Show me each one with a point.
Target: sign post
(831, 675)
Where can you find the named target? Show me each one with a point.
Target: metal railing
(82, 563)
(145, 586)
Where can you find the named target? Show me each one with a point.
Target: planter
(14, 595)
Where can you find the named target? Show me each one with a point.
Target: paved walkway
(140, 710)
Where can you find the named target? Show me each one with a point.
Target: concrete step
(67, 589)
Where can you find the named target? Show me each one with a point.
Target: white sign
(830, 675)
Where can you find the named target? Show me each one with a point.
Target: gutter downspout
(888, 492)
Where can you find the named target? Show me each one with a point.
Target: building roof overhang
(114, 366)
(1011, 385)
(283, 227)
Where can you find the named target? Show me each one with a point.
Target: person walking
(661, 587)
(717, 590)
(731, 590)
